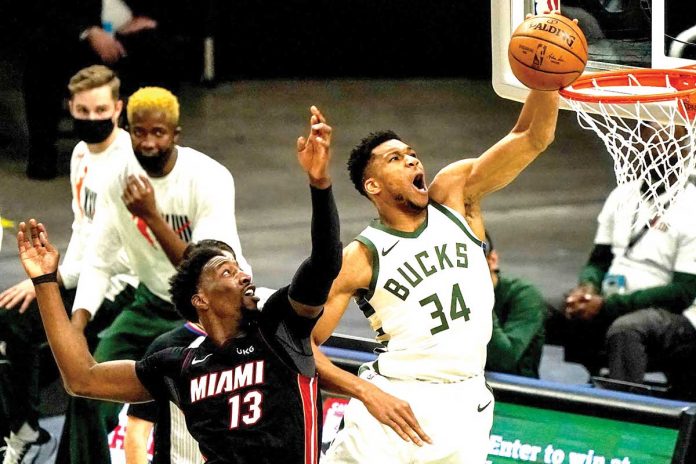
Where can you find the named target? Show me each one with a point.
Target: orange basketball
(547, 52)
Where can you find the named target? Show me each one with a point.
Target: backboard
(620, 34)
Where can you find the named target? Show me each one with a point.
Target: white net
(651, 143)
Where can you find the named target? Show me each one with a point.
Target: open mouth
(250, 290)
(419, 182)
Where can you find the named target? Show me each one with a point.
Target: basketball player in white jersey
(420, 276)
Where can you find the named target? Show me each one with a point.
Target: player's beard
(411, 206)
(153, 164)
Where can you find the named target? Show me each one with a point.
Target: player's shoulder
(167, 358)
(202, 169)
(79, 154)
(357, 253)
(191, 156)
(356, 270)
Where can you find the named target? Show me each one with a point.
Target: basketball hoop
(647, 121)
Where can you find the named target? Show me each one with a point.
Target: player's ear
(372, 186)
(199, 302)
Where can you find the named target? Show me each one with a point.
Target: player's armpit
(356, 272)
(449, 187)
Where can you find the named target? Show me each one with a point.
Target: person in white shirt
(152, 208)
(635, 295)
(104, 148)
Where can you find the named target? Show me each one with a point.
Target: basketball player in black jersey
(248, 392)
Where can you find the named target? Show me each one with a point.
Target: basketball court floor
(542, 224)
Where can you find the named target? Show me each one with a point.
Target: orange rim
(684, 80)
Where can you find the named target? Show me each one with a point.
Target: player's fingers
(6, 299)
(132, 185)
(147, 185)
(45, 243)
(318, 113)
(42, 229)
(413, 424)
(16, 299)
(25, 305)
(325, 144)
(34, 234)
(321, 128)
(397, 428)
(21, 239)
(301, 143)
(408, 431)
(4, 294)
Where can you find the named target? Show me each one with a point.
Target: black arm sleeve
(312, 281)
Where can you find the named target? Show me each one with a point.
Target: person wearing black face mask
(104, 149)
(92, 131)
(171, 196)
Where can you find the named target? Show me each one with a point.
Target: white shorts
(457, 417)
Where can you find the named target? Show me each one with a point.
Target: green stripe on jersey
(400, 233)
(375, 264)
(456, 220)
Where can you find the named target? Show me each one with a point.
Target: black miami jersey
(254, 399)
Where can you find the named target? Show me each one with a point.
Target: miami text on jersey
(229, 380)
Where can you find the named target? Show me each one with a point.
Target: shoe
(20, 451)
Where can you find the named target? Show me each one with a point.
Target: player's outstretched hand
(36, 253)
(397, 414)
(313, 152)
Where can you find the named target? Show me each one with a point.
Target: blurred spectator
(105, 148)
(519, 314)
(635, 292)
(64, 36)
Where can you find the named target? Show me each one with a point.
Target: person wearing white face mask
(104, 148)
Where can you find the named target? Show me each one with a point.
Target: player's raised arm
(312, 281)
(82, 375)
(466, 181)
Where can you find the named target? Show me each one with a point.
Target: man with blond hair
(152, 209)
(104, 148)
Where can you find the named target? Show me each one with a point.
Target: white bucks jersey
(430, 299)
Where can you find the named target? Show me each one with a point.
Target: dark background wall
(356, 38)
(320, 38)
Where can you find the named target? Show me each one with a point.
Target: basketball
(547, 52)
